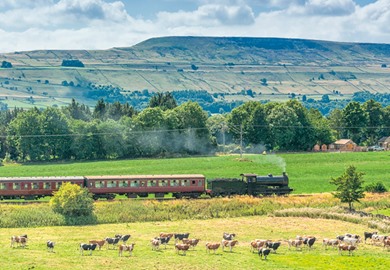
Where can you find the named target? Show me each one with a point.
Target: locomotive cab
(248, 177)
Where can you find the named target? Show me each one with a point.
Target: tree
(164, 101)
(349, 186)
(355, 120)
(322, 131)
(374, 114)
(6, 64)
(72, 63)
(325, 99)
(336, 123)
(194, 67)
(193, 119)
(71, 200)
(100, 109)
(284, 124)
(56, 138)
(304, 136)
(25, 135)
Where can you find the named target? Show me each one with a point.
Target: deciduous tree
(349, 186)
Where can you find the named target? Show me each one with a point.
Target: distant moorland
(218, 72)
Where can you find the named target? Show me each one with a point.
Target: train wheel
(177, 195)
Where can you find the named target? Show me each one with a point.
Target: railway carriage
(133, 186)
(180, 185)
(31, 188)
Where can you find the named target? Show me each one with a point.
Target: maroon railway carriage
(180, 185)
(30, 188)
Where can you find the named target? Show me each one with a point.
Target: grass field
(308, 172)
(67, 256)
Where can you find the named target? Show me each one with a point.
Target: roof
(43, 178)
(145, 177)
(343, 141)
(383, 139)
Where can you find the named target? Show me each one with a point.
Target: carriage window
(16, 186)
(163, 183)
(58, 185)
(99, 184)
(3, 186)
(123, 184)
(47, 185)
(35, 186)
(25, 186)
(185, 183)
(174, 183)
(111, 184)
(200, 183)
(151, 183)
(134, 184)
(193, 182)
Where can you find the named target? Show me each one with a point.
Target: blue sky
(103, 24)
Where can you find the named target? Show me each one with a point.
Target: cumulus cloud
(68, 14)
(8, 4)
(209, 15)
(102, 24)
(330, 7)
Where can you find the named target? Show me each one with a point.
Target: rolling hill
(229, 68)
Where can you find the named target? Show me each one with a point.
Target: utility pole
(223, 128)
(241, 142)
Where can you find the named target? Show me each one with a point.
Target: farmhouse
(384, 142)
(343, 145)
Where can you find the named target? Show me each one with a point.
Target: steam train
(134, 186)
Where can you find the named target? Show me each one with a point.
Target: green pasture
(308, 172)
(67, 256)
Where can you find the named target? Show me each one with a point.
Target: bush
(72, 201)
(6, 64)
(72, 63)
(377, 187)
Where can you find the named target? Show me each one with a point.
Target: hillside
(231, 69)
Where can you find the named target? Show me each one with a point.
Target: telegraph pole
(241, 142)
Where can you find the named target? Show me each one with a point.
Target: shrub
(6, 64)
(72, 63)
(377, 187)
(72, 201)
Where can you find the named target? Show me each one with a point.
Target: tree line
(164, 128)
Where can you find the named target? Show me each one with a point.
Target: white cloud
(102, 24)
(8, 4)
(66, 14)
(209, 15)
(330, 7)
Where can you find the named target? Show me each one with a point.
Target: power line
(234, 128)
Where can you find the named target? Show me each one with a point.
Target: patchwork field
(218, 65)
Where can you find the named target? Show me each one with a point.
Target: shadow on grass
(81, 220)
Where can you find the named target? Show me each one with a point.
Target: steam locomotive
(134, 186)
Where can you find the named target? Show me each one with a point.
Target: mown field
(67, 256)
(308, 172)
